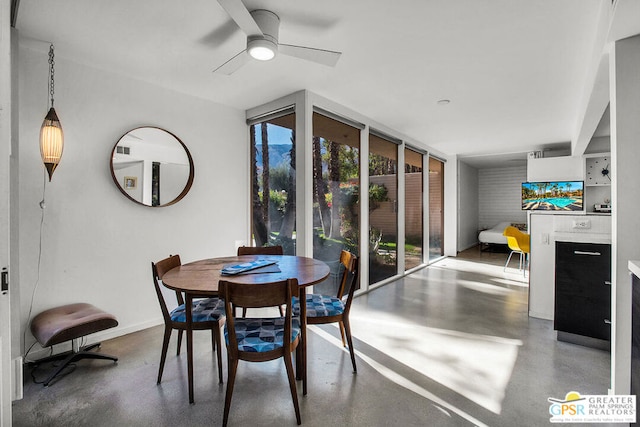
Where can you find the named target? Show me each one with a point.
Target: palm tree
(259, 228)
(266, 188)
(289, 220)
(320, 188)
(334, 184)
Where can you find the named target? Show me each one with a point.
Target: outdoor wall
(385, 217)
(468, 206)
(500, 195)
(97, 246)
(413, 184)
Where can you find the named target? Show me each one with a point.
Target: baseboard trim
(584, 341)
(539, 315)
(17, 388)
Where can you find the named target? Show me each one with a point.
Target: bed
(493, 236)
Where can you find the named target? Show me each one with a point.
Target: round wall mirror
(152, 167)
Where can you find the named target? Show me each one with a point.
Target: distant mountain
(278, 154)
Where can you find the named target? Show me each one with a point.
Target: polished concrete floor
(449, 345)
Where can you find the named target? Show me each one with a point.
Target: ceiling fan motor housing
(269, 23)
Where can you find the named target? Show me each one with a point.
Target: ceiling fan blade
(239, 13)
(220, 35)
(233, 64)
(321, 56)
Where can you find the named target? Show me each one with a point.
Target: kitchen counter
(545, 231)
(634, 267)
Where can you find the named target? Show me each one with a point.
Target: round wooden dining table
(200, 279)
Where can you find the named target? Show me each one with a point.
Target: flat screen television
(564, 196)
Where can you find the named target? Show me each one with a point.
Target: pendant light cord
(35, 286)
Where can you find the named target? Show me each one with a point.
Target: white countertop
(634, 267)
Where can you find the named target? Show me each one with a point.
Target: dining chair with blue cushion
(206, 314)
(322, 309)
(260, 250)
(260, 339)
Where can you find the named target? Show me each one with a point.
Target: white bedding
(494, 235)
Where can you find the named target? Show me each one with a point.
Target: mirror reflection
(152, 166)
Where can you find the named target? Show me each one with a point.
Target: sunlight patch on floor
(477, 367)
(438, 403)
(484, 287)
(512, 275)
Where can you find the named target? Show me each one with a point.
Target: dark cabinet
(583, 290)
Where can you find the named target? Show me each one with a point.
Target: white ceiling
(514, 70)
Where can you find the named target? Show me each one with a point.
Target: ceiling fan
(261, 27)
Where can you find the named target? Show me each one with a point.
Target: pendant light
(51, 136)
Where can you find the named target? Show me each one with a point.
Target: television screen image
(553, 196)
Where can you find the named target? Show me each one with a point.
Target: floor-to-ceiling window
(336, 193)
(330, 216)
(273, 182)
(436, 208)
(413, 208)
(383, 208)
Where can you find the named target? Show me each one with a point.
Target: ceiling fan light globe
(262, 50)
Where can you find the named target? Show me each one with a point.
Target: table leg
(188, 309)
(303, 323)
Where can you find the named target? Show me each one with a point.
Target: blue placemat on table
(250, 266)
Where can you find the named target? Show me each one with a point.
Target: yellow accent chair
(518, 242)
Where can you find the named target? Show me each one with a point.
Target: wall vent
(123, 150)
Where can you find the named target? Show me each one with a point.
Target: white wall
(625, 155)
(468, 206)
(97, 245)
(563, 168)
(451, 206)
(500, 195)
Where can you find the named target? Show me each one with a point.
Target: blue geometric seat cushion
(320, 306)
(205, 310)
(260, 335)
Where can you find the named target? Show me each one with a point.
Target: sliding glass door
(336, 194)
(413, 208)
(383, 208)
(325, 215)
(273, 183)
(436, 208)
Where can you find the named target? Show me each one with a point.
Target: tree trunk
(259, 228)
(334, 182)
(289, 217)
(266, 189)
(320, 188)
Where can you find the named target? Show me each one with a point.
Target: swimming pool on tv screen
(558, 201)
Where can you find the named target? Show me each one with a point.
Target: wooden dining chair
(260, 339)
(206, 314)
(260, 250)
(322, 309)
